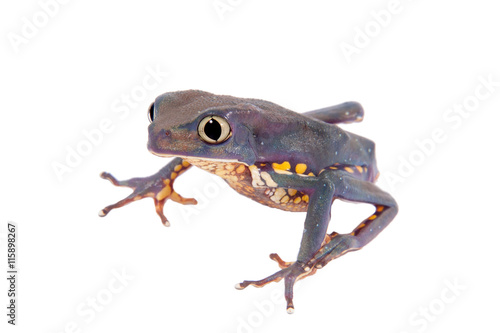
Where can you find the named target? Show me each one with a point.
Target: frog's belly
(239, 177)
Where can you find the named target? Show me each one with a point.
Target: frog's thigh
(343, 113)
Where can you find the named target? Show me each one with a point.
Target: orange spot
(305, 198)
(300, 168)
(348, 169)
(173, 175)
(240, 169)
(373, 217)
(285, 199)
(380, 208)
(360, 226)
(178, 167)
(310, 174)
(185, 164)
(164, 193)
(333, 168)
(360, 169)
(292, 192)
(283, 166)
(297, 200)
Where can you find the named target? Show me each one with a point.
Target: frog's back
(301, 139)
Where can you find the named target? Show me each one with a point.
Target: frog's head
(198, 124)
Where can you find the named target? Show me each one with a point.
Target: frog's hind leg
(347, 112)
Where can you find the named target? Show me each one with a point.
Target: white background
(73, 72)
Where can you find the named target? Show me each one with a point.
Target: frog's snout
(150, 147)
(153, 139)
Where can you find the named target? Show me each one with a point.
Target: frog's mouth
(194, 160)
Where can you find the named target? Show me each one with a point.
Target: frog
(298, 162)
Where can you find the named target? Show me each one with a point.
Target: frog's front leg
(158, 186)
(317, 248)
(321, 192)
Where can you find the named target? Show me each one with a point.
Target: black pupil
(213, 130)
(152, 112)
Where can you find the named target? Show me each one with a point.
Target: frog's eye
(214, 129)
(151, 112)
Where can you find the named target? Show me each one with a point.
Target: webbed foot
(333, 247)
(158, 186)
(290, 271)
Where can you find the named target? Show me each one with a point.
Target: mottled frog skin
(277, 157)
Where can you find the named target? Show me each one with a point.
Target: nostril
(167, 133)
